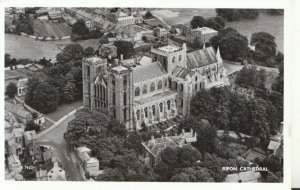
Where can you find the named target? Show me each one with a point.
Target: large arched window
(169, 104)
(174, 85)
(137, 91)
(152, 87)
(146, 112)
(153, 109)
(173, 60)
(138, 114)
(159, 85)
(196, 79)
(181, 87)
(161, 107)
(145, 89)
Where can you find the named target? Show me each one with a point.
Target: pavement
(54, 138)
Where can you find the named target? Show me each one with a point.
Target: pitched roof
(16, 110)
(23, 82)
(182, 72)
(200, 58)
(30, 135)
(147, 71)
(273, 145)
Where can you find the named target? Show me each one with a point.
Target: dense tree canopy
(79, 28)
(72, 53)
(45, 98)
(250, 77)
(233, 46)
(31, 85)
(237, 14)
(216, 23)
(11, 90)
(124, 48)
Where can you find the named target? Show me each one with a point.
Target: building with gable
(152, 88)
(89, 164)
(51, 170)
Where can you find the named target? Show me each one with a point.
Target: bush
(11, 90)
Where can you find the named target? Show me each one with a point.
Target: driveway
(54, 138)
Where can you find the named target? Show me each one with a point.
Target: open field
(48, 29)
(264, 22)
(21, 47)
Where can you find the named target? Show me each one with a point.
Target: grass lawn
(21, 47)
(48, 28)
(63, 110)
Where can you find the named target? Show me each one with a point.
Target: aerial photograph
(133, 94)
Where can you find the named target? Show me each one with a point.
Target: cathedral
(151, 89)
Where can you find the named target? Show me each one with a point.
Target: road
(54, 138)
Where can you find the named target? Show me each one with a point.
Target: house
(55, 13)
(42, 11)
(22, 86)
(88, 163)
(204, 33)
(243, 177)
(154, 146)
(35, 152)
(51, 170)
(14, 164)
(14, 141)
(21, 114)
(161, 33)
(19, 10)
(138, 17)
(30, 137)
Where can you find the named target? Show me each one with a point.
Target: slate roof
(182, 72)
(16, 110)
(30, 135)
(147, 71)
(23, 82)
(273, 145)
(200, 58)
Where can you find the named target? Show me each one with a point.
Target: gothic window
(114, 112)
(88, 72)
(179, 58)
(196, 87)
(175, 85)
(166, 83)
(124, 98)
(181, 87)
(159, 86)
(169, 104)
(181, 104)
(146, 112)
(138, 115)
(153, 109)
(137, 91)
(173, 60)
(152, 87)
(145, 89)
(161, 107)
(114, 98)
(196, 79)
(125, 113)
(113, 80)
(124, 81)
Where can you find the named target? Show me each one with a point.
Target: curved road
(54, 138)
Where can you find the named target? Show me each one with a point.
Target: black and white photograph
(144, 94)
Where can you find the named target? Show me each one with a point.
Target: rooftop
(200, 58)
(205, 30)
(147, 71)
(155, 146)
(119, 68)
(30, 135)
(154, 97)
(182, 72)
(169, 48)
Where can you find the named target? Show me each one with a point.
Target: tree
(124, 48)
(24, 25)
(250, 77)
(106, 51)
(197, 21)
(31, 85)
(237, 14)
(32, 126)
(192, 174)
(233, 46)
(89, 51)
(11, 90)
(77, 76)
(7, 60)
(72, 53)
(148, 15)
(79, 28)
(216, 23)
(45, 98)
(264, 43)
(110, 175)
